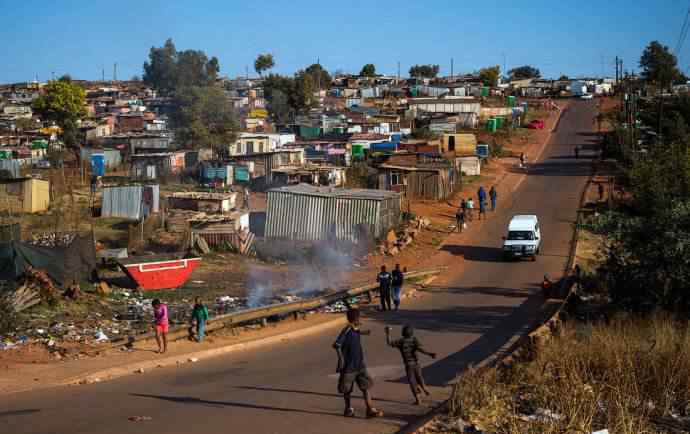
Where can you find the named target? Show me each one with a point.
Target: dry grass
(630, 376)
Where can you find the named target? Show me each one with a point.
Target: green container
(484, 91)
(491, 125)
(499, 123)
(358, 151)
(4, 155)
(309, 131)
(510, 101)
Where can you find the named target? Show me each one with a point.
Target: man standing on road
(482, 210)
(493, 195)
(460, 219)
(397, 281)
(351, 366)
(384, 280)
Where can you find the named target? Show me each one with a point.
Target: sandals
(349, 412)
(372, 412)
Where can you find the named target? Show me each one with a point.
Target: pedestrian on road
(600, 186)
(577, 151)
(470, 209)
(493, 195)
(351, 365)
(460, 219)
(409, 346)
(481, 194)
(522, 160)
(482, 210)
(463, 206)
(160, 315)
(384, 280)
(199, 318)
(397, 278)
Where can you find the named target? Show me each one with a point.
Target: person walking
(199, 318)
(481, 195)
(352, 367)
(522, 160)
(493, 195)
(482, 210)
(384, 280)
(470, 209)
(160, 316)
(397, 278)
(460, 219)
(409, 346)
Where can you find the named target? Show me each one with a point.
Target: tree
(203, 117)
(320, 77)
(659, 65)
(279, 107)
(62, 101)
(563, 78)
(424, 71)
(489, 75)
(368, 70)
(305, 88)
(264, 62)
(524, 72)
(161, 70)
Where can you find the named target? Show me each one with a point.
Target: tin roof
(350, 193)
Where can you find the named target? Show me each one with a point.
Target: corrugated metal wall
(123, 202)
(314, 217)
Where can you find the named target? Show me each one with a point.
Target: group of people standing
(390, 287)
(465, 212)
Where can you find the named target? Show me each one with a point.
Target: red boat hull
(167, 274)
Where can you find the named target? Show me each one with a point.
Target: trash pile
(395, 242)
(227, 304)
(341, 306)
(52, 239)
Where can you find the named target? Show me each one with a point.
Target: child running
(409, 346)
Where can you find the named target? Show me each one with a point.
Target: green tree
(659, 65)
(320, 78)
(489, 75)
(524, 72)
(60, 102)
(279, 107)
(563, 78)
(305, 89)
(424, 71)
(160, 72)
(368, 70)
(204, 117)
(264, 62)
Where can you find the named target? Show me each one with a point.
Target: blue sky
(575, 38)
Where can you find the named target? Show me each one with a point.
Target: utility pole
(103, 75)
(451, 68)
(505, 71)
(115, 71)
(616, 82)
(398, 71)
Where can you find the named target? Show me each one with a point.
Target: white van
(523, 239)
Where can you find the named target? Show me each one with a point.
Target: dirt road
(471, 313)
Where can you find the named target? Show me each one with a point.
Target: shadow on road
(496, 325)
(19, 412)
(308, 392)
(474, 253)
(483, 290)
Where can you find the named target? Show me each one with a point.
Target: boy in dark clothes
(409, 346)
(384, 279)
(351, 365)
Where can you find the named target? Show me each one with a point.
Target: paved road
(474, 311)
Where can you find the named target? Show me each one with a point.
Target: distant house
(130, 122)
(214, 203)
(155, 165)
(460, 144)
(470, 107)
(148, 143)
(419, 177)
(24, 195)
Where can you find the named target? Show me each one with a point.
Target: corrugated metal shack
(304, 212)
(130, 201)
(27, 195)
(435, 179)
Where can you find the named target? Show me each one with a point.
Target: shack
(461, 144)
(265, 163)
(133, 202)
(213, 203)
(305, 212)
(24, 195)
(425, 177)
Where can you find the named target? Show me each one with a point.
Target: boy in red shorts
(160, 315)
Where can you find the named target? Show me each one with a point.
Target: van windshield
(520, 235)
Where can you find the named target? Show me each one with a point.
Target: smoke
(315, 268)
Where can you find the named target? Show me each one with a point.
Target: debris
(193, 360)
(603, 431)
(139, 418)
(101, 337)
(52, 239)
(139, 371)
(103, 289)
(394, 251)
(203, 246)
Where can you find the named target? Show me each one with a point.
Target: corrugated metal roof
(352, 193)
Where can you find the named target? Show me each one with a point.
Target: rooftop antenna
(115, 71)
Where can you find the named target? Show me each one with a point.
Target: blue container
(384, 147)
(482, 150)
(241, 173)
(97, 164)
(395, 138)
(211, 172)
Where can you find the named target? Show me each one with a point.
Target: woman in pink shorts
(160, 315)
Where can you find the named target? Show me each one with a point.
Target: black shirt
(408, 349)
(350, 344)
(397, 278)
(384, 279)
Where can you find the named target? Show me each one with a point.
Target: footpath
(117, 362)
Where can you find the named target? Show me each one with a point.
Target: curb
(141, 367)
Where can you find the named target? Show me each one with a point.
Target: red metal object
(536, 124)
(152, 273)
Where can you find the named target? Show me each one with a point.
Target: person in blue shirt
(384, 279)
(351, 365)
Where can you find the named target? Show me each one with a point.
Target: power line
(683, 33)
